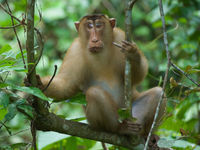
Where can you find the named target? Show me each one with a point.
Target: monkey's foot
(153, 143)
(129, 128)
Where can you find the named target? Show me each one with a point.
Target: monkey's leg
(144, 107)
(101, 113)
(101, 110)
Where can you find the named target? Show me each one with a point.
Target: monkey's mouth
(95, 49)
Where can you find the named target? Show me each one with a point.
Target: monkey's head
(95, 31)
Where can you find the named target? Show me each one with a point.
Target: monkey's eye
(89, 25)
(99, 24)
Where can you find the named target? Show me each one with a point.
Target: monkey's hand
(128, 127)
(131, 50)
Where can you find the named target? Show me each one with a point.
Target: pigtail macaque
(95, 66)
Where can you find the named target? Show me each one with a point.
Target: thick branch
(30, 41)
(128, 30)
(51, 122)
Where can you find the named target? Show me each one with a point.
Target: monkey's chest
(111, 86)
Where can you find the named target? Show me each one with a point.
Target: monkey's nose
(95, 40)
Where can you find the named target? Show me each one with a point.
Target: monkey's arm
(62, 87)
(69, 78)
(138, 61)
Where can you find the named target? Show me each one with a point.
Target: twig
(132, 3)
(51, 78)
(185, 74)
(33, 132)
(3, 137)
(2, 7)
(10, 27)
(7, 129)
(39, 11)
(104, 146)
(19, 43)
(166, 73)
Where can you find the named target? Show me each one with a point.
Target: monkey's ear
(112, 22)
(77, 25)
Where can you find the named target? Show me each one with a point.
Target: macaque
(95, 66)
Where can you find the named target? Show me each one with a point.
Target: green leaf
(124, 113)
(3, 85)
(12, 111)
(18, 145)
(4, 99)
(31, 90)
(86, 143)
(79, 98)
(5, 48)
(5, 147)
(71, 143)
(20, 102)
(14, 146)
(79, 119)
(6, 62)
(19, 55)
(7, 67)
(28, 109)
(164, 143)
(3, 112)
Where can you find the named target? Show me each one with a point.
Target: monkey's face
(95, 31)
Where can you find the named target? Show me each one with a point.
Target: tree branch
(131, 3)
(41, 46)
(166, 73)
(10, 27)
(128, 30)
(51, 122)
(30, 42)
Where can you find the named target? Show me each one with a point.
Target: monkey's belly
(115, 91)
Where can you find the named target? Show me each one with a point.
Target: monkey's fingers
(127, 42)
(118, 45)
(131, 44)
(134, 128)
(130, 128)
(133, 125)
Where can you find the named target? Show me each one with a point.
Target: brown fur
(99, 73)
